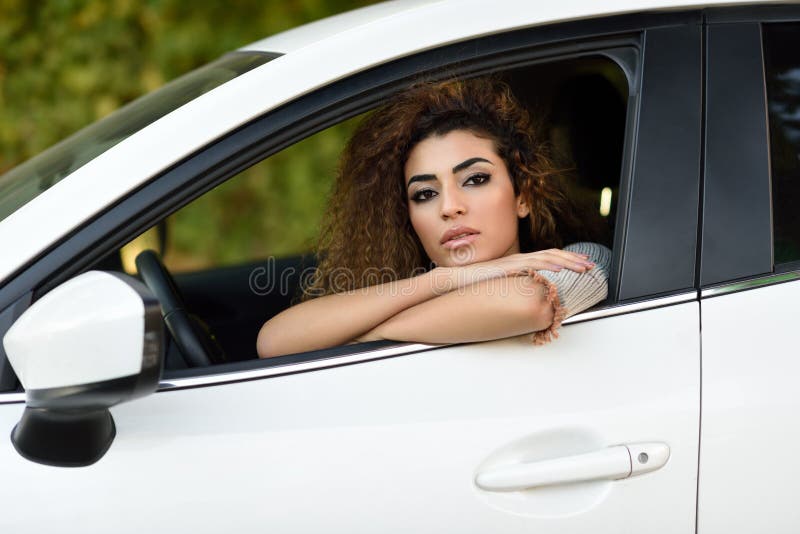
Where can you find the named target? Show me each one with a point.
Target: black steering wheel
(195, 342)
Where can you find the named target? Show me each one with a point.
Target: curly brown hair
(367, 237)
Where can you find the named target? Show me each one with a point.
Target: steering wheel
(195, 342)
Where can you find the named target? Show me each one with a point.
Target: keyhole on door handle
(643, 458)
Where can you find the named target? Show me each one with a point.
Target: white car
(660, 410)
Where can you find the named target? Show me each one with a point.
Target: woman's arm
(339, 318)
(336, 319)
(490, 309)
(504, 307)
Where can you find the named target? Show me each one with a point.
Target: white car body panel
(398, 443)
(111, 176)
(750, 406)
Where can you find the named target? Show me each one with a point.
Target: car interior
(581, 107)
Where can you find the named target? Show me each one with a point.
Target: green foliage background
(66, 63)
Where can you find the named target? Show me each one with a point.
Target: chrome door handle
(613, 463)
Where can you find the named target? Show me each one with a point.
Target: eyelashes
(479, 178)
(427, 193)
(423, 195)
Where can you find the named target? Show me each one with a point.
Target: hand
(553, 259)
(451, 278)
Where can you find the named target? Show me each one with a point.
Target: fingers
(569, 255)
(562, 259)
(549, 260)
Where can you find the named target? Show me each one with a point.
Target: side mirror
(92, 342)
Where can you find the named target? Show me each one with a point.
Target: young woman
(442, 227)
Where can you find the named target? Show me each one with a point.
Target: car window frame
(277, 129)
(663, 220)
(754, 266)
(737, 217)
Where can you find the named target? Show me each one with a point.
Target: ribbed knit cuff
(542, 337)
(570, 292)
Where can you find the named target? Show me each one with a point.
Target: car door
(596, 432)
(750, 273)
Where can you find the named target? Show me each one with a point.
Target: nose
(453, 204)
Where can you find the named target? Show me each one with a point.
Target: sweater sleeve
(570, 292)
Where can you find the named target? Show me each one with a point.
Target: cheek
(501, 210)
(422, 223)
(426, 225)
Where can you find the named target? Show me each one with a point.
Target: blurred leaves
(272, 209)
(66, 63)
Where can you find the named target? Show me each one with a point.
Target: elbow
(263, 347)
(266, 346)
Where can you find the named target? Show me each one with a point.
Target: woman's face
(461, 200)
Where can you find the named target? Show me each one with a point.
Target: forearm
(486, 310)
(338, 318)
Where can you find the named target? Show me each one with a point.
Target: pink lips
(458, 236)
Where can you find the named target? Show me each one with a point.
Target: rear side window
(782, 70)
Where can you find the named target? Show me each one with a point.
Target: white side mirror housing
(91, 343)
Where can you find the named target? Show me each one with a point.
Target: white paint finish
(394, 445)
(394, 350)
(127, 165)
(329, 27)
(530, 12)
(750, 406)
(12, 398)
(88, 329)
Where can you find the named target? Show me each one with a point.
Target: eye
(477, 179)
(423, 194)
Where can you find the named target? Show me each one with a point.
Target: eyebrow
(460, 167)
(421, 178)
(471, 161)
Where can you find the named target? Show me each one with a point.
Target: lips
(458, 234)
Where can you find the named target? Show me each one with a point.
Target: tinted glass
(25, 182)
(782, 67)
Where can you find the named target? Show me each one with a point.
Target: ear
(522, 208)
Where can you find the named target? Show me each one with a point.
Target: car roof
(531, 11)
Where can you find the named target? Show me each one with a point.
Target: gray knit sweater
(571, 292)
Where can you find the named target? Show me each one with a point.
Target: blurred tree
(66, 63)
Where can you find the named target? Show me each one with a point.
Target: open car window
(240, 252)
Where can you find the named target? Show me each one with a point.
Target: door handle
(612, 463)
